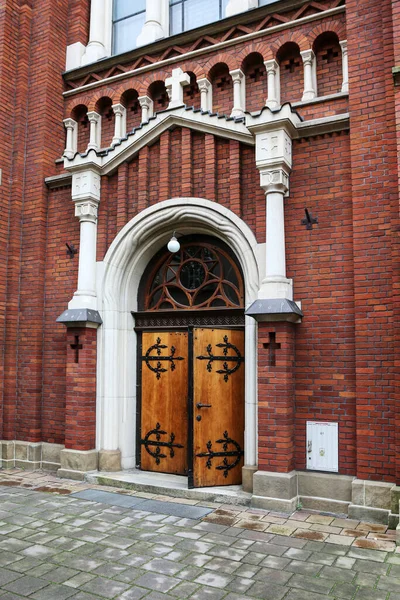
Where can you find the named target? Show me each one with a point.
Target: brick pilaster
(276, 385)
(80, 410)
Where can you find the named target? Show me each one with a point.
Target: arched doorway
(190, 326)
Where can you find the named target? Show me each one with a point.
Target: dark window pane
(126, 33)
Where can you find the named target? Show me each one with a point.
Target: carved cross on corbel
(272, 346)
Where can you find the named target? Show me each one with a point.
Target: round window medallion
(192, 275)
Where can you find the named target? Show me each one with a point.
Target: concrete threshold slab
(151, 506)
(169, 485)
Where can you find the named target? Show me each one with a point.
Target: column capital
(308, 56)
(87, 211)
(93, 117)
(237, 75)
(343, 45)
(204, 84)
(86, 186)
(271, 65)
(119, 109)
(70, 123)
(275, 180)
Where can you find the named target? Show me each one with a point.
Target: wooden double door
(192, 404)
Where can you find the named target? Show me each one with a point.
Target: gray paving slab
(97, 550)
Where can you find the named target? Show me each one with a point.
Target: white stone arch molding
(120, 275)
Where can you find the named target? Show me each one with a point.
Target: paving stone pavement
(84, 546)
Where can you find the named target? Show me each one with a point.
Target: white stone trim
(239, 93)
(123, 266)
(205, 87)
(174, 86)
(95, 130)
(120, 122)
(71, 145)
(310, 75)
(345, 67)
(156, 25)
(230, 129)
(86, 196)
(274, 86)
(147, 106)
(217, 47)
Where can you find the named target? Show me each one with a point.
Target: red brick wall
(256, 82)
(80, 413)
(60, 283)
(15, 28)
(328, 55)
(276, 381)
(375, 225)
(222, 89)
(291, 73)
(321, 263)
(41, 51)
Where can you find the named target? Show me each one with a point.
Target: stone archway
(122, 269)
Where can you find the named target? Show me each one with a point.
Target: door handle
(200, 405)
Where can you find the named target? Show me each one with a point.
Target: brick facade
(340, 364)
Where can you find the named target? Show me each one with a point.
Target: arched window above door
(202, 275)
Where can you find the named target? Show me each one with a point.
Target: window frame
(114, 21)
(173, 3)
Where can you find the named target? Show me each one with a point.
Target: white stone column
(175, 85)
(147, 106)
(274, 93)
(95, 130)
(205, 88)
(120, 122)
(71, 145)
(274, 132)
(156, 25)
(86, 196)
(239, 93)
(96, 47)
(237, 6)
(345, 67)
(310, 91)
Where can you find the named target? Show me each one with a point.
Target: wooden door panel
(218, 381)
(164, 402)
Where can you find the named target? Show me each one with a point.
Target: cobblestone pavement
(85, 542)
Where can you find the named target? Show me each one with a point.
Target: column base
(151, 32)
(94, 52)
(110, 460)
(30, 456)
(75, 464)
(247, 478)
(371, 501)
(275, 491)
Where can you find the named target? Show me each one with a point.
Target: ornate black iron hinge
(226, 466)
(226, 370)
(157, 454)
(158, 369)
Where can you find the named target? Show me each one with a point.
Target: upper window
(128, 21)
(189, 14)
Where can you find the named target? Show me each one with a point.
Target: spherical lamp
(173, 244)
